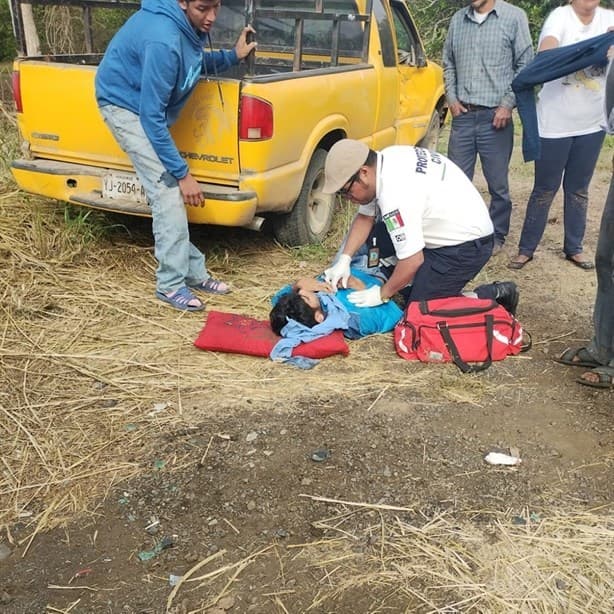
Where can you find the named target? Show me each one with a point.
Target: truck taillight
(16, 83)
(255, 119)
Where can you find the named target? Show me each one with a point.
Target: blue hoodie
(151, 66)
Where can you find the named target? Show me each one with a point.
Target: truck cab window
(409, 49)
(385, 34)
(277, 34)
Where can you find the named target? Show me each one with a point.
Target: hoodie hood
(172, 10)
(150, 68)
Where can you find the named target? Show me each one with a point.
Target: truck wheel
(312, 214)
(431, 138)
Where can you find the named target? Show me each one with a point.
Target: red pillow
(237, 334)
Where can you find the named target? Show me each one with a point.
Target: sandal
(585, 265)
(605, 374)
(180, 299)
(213, 286)
(577, 357)
(516, 264)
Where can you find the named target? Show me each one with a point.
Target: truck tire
(312, 214)
(431, 138)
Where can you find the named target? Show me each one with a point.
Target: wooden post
(32, 42)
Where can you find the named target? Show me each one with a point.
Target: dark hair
(291, 305)
(371, 158)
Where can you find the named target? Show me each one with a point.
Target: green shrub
(8, 49)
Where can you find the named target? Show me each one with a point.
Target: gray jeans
(179, 262)
(602, 345)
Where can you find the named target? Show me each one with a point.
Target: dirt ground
(223, 472)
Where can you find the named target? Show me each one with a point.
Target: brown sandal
(605, 374)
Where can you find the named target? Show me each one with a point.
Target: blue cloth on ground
(547, 66)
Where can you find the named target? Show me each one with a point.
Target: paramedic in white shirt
(420, 222)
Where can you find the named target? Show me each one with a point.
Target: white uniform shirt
(573, 105)
(425, 200)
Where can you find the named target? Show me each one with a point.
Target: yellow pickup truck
(255, 137)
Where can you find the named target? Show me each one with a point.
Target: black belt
(475, 242)
(474, 107)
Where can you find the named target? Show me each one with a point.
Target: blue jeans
(473, 134)
(572, 160)
(602, 345)
(180, 263)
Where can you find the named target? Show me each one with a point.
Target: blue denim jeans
(602, 345)
(179, 262)
(572, 160)
(473, 134)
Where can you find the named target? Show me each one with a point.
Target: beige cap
(343, 160)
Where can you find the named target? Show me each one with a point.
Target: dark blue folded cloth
(548, 66)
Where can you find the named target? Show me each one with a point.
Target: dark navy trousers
(445, 270)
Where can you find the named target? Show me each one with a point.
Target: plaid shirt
(481, 60)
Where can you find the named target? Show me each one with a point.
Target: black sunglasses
(345, 190)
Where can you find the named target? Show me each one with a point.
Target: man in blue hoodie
(148, 72)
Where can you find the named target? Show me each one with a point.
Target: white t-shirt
(573, 105)
(425, 200)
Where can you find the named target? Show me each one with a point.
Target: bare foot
(590, 377)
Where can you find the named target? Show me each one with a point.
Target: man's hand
(371, 297)
(313, 285)
(339, 272)
(191, 191)
(502, 118)
(456, 108)
(242, 47)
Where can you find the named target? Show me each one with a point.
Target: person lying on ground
(303, 302)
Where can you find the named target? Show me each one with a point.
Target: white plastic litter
(498, 458)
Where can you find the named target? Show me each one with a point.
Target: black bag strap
(528, 343)
(456, 357)
(455, 313)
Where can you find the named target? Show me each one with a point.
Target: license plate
(123, 186)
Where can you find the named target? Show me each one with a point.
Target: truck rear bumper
(82, 185)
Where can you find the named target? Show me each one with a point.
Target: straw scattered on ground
(480, 561)
(93, 369)
(93, 366)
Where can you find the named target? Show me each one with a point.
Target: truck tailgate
(61, 121)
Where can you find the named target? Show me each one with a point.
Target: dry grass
(93, 367)
(88, 356)
(559, 563)
(486, 562)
